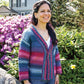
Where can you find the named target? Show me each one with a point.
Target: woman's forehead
(44, 6)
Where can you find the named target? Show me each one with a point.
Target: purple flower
(2, 59)
(5, 47)
(2, 38)
(11, 29)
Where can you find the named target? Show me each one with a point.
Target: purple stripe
(51, 64)
(48, 67)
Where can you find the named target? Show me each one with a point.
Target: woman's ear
(35, 14)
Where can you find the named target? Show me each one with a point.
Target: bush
(73, 72)
(70, 13)
(12, 67)
(11, 29)
(12, 64)
(71, 43)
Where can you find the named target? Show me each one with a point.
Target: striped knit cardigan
(36, 59)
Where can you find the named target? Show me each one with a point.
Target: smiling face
(44, 14)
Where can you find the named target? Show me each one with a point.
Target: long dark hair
(49, 26)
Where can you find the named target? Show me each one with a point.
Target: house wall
(22, 6)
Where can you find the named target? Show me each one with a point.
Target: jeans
(52, 81)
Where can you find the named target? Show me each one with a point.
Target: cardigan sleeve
(23, 57)
(57, 61)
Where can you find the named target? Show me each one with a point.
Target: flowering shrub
(73, 72)
(12, 64)
(71, 42)
(73, 66)
(12, 67)
(11, 29)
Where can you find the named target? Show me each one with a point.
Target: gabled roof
(4, 9)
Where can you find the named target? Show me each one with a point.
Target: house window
(22, 3)
(25, 3)
(22, 13)
(19, 3)
(11, 3)
(14, 3)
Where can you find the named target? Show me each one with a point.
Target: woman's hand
(26, 82)
(57, 79)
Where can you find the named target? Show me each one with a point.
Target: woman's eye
(42, 11)
(47, 11)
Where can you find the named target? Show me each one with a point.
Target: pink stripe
(57, 57)
(48, 67)
(36, 62)
(54, 69)
(24, 54)
(59, 70)
(39, 36)
(51, 66)
(45, 70)
(23, 75)
(26, 72)
(38, 54)
(59, 67)
(37, 58)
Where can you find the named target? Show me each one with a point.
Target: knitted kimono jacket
(36, 59)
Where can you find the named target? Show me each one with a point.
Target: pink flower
(11, 29)
(5, 47)
(6, 58)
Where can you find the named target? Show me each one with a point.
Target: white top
(48, 42)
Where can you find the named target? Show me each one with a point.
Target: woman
(39, 61)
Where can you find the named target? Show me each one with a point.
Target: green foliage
(71, 13)
(13, 67)
(72, 76)
(71, 43)
(4, 3)
(79, 5)
(12, 64)
(58, 11)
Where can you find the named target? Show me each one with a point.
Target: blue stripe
(35, 76)
(36, 71)
(57, 51)
(23, 61)
(50, 66)
(25, 47)
(23, 64)
(35, 49)
(23, 67)
(36, 66)
(58, 63)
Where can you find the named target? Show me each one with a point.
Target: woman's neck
(41, 26)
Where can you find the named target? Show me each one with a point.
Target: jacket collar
(40, 37)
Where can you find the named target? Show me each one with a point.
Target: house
(23, 7)
(5, 11)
